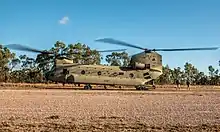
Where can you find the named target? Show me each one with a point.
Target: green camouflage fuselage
(143, 68)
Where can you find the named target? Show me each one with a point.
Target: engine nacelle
(140, 66)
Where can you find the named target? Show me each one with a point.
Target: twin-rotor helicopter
(141, 72)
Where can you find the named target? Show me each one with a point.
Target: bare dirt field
(81, 110)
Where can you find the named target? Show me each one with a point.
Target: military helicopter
(143, 69)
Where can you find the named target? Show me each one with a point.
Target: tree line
(24, 69)
(190, 73)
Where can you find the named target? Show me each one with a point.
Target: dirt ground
(81, 110)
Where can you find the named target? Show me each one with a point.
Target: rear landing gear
(145, 87)
(87, 87)
(141, 87)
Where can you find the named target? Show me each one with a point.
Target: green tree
(13, 63)
(5, 57)
(177, 75)
(213, 75)
(211, 71)
(191, 73)
(165, 78)
(118, 59)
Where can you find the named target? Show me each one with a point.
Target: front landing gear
(87, 87)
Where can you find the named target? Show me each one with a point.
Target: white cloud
(64, 20)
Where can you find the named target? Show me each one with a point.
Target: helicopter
(143, 69)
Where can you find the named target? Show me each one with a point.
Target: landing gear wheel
(90, 87)
(141, 88)
(138, 87)
(87, 87)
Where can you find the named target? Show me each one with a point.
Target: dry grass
(76, 110)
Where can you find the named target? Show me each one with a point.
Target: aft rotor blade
(113, 41)
(25, 48)
(112, 50)
(186, 49)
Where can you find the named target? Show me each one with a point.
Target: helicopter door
(65, 71)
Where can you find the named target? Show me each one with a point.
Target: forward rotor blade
(186, 49)
(25, 48)
(112, 50)
(113, 41)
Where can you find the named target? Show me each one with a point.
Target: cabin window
(131, 75)
(115, 74)
(83, 72)
(121, 73)
(99, 73)
(146, 74)
(153, 59)
(148, 77)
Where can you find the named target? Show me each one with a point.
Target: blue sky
(147, 23)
